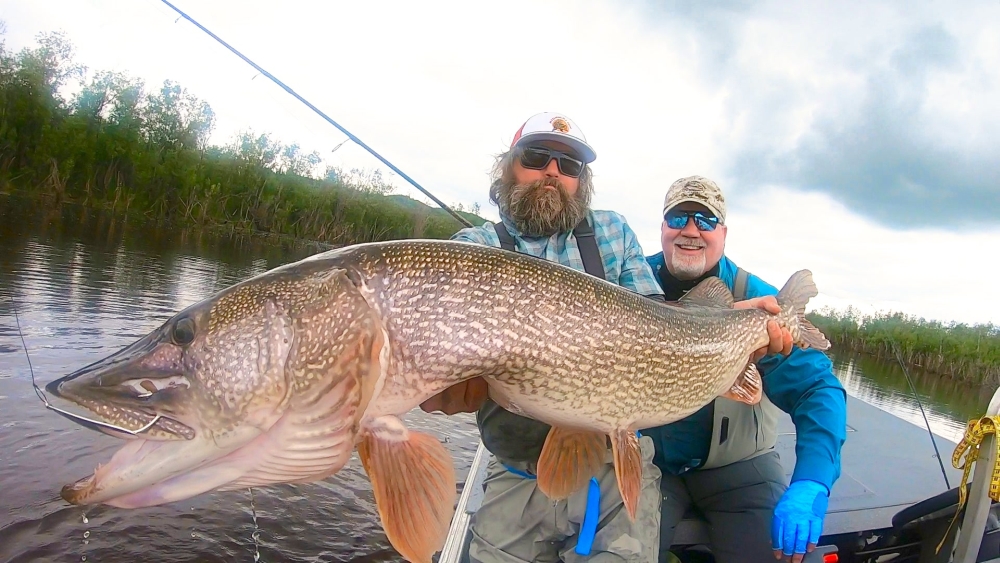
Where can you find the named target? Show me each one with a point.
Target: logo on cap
(550, 126)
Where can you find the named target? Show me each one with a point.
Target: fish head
(193, 393)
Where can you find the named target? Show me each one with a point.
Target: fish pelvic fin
(628, 468)
(413, 479)
(798, 290)
(748, 387)
(568, 460)
(712, 292)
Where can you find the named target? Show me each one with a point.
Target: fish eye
(183, 333)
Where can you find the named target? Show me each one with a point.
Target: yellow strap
(969, 446)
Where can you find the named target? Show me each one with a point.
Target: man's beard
(539, 211)
(687, 267)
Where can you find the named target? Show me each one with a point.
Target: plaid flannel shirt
(624, 262)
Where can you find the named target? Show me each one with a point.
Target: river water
(86, 284)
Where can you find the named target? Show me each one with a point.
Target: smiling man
(721, 460)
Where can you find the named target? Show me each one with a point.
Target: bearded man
(543, 186)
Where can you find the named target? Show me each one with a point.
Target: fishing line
(350, 135)
(88, 422)
(927, 424)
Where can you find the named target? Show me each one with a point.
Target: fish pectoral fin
(748, 387)
(414, 483)
(710, 293)
(568, 460)
(628, 468)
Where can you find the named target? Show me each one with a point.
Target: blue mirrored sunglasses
(677, 219)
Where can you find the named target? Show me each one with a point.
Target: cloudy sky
(859, 139)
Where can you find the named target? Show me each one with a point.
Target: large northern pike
(279, 378)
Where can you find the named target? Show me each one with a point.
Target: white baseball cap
(550, 126)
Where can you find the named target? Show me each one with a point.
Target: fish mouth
(120, 410)
(163, 459)
(170, 453)
(149, 473)
(134, 393)
(139, 395)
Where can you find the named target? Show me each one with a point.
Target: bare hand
(780, 338)
(467, 396)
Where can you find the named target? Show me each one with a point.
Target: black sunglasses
(537, 158)
(677, 219)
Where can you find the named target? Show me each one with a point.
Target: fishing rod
(937, 454)
(350, 135)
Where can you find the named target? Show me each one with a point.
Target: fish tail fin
(568, 460)
(628, 468)
(413, 479)
(793, 297)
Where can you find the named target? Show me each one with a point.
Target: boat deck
(887, 464)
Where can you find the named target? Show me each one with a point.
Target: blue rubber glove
(798, 518)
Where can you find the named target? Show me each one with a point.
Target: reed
(960, 351)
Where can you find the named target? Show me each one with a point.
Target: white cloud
(933, 273)
(439, 88)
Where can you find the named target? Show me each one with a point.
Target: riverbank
(969, 353)
(116, 145)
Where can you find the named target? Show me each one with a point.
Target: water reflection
(948, 404)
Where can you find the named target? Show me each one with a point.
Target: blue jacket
(801, 384)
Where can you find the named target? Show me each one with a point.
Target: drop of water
(85, 519)
(193, 535)
(256, 530)
(84, 558)
(85, 542)
(86, 534)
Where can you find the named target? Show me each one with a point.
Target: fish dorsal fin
(712, 292)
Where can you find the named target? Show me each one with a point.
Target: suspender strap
(589, 253)
(740, 286)
(506, 241)
(585, 239)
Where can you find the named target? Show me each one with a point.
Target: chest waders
(593, 265)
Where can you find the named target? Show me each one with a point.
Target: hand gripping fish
(279, 378)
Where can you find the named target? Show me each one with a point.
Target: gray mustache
(686, 241)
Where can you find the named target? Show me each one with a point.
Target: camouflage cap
(699, 190)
